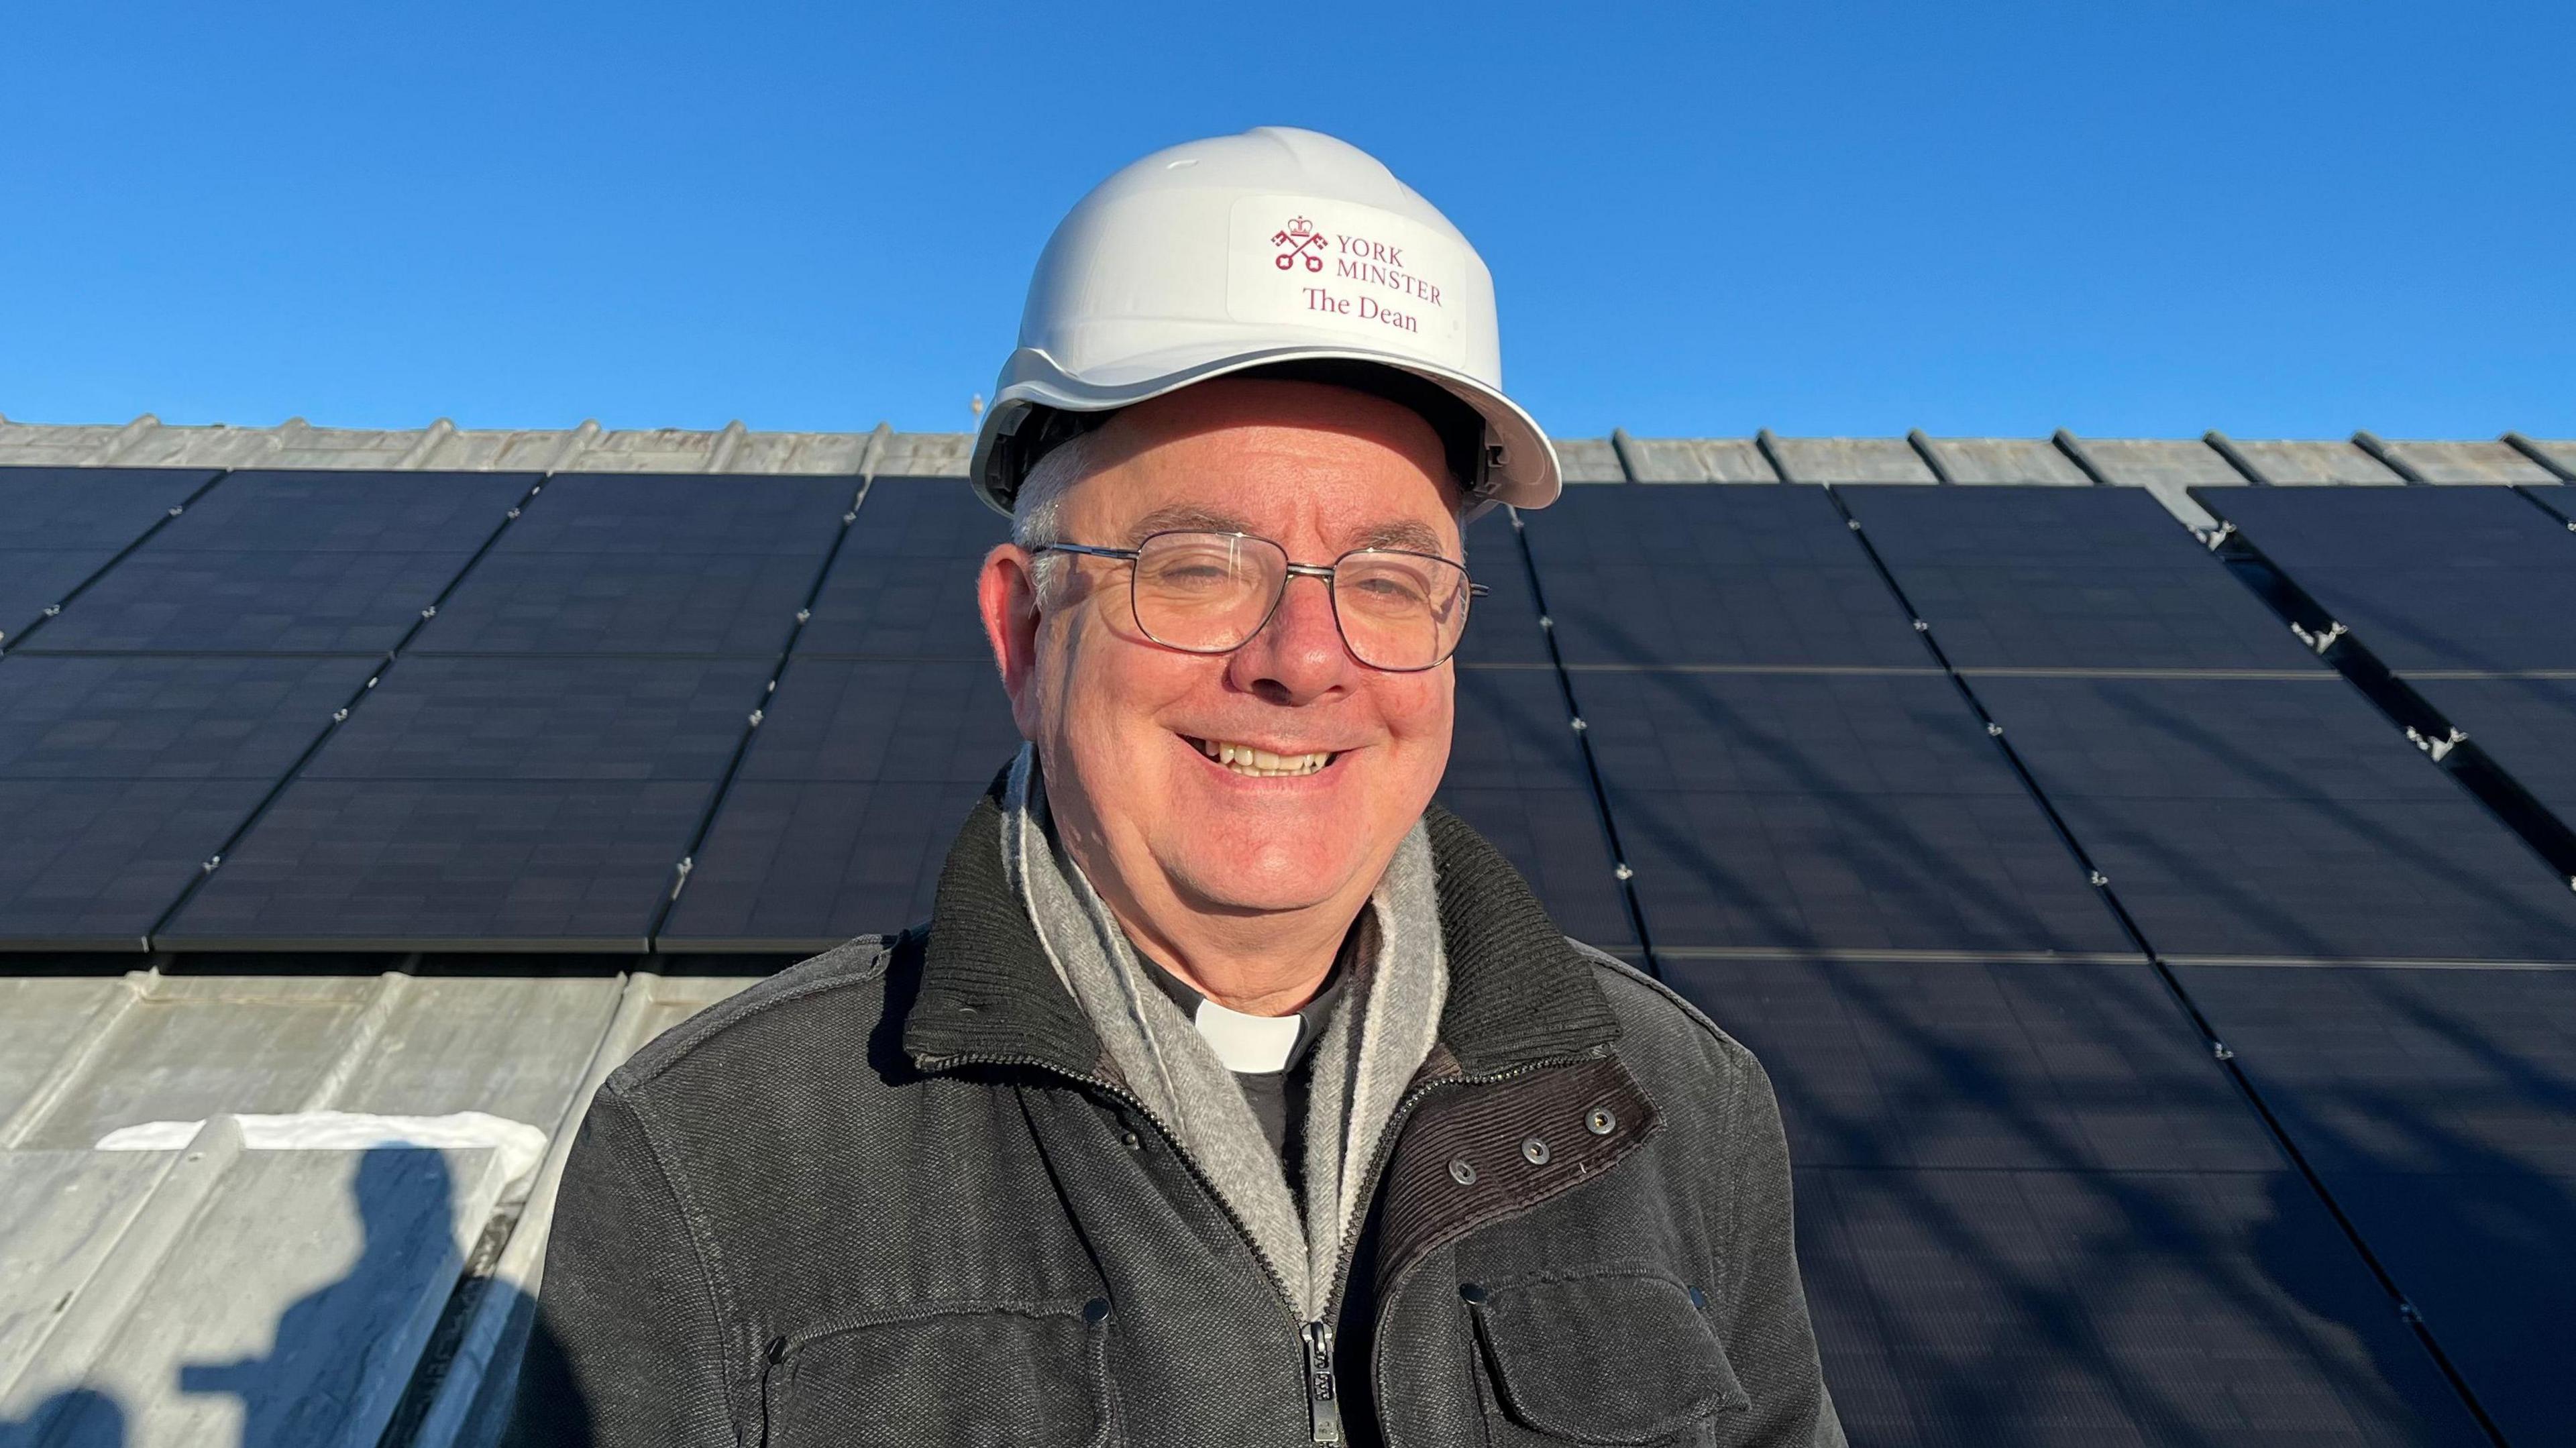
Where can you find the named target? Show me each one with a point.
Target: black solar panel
(278, 602)
(2077, 1310)
(303, 562)
(1642, 574)
(2033, 1210)
(60, 525)
(374, 864)
(2426, 578)
(1981, 1064)
(119, 777)
(643, 564)
(903, 586)
(1516, 775)
(92, 863)
(2527, 726)
(1502, 626)
(165, 718)
(553, 719)
(858, 779)
(2093, 578)
(2440, 1106)
(1834, 812)
(2268, 818)
(489, 801)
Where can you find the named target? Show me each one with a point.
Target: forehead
(1307, 465)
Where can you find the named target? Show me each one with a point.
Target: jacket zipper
(1314, 1338)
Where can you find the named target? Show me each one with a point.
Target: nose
(1298, 656)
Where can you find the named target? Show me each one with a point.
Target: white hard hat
(1278, 246)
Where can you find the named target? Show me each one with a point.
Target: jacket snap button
(1601, 1122)
(1134, 1142)
(1096, 1311)
(1462, 1171)
(1471, 1291)
(1535, 1150)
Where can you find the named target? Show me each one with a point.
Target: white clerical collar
(1248, 1044)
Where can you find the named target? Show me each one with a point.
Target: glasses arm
(1086, 550)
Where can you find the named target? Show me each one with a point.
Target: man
(1231, 1094)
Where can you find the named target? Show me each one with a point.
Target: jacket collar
(1518, 990)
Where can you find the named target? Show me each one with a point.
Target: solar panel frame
(2527, 726)
(1516, 774)
(2066, 578)
(276, 601)
(903, 584)
(58, 526)
(2267, 818)
(91, 864)
(2032, 1209)
(375, 864)
(2439, 1105)
(2425, 578)
(1853, 812)
(1739, 576)
(158, 717)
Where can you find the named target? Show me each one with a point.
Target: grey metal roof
(148, 442)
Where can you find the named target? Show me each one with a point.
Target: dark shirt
(1277, 1098)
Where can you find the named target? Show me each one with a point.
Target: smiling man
(1233, 1093)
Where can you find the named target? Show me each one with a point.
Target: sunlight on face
(1125, 727)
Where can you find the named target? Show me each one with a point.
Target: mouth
(1244, 759)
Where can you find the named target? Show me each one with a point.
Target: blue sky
(2129, 219)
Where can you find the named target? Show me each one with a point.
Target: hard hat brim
(1526, 477)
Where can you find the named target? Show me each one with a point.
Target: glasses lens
(1400, 610)
(1206, 592)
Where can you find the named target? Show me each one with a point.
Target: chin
(1274, 875)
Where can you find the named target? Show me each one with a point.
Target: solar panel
(858, 779)
(2050, 577)
(1502, 626)
(92, 863)
(396, 864)
(1836, 812)
(903, 585)
(165, 718)
(2272, 818)
(303, 562)
(2426, 578)
(611, 563)
(2078, 1310)
(2031, 1209)
(488, 801)
(1699, 575)
(60, 525)
(435, 718)
(1982, 1064)
(2527, 726)
(269, 602)
(120, 776)
(1516, 775)
(2440, 1107)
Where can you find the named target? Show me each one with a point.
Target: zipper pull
(1323, 1399)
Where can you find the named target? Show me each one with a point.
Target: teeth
(1261, 763)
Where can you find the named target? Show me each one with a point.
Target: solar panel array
(2152, 1019)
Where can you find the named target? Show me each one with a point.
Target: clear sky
(2129, 219)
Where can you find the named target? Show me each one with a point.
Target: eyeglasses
(1209, 593)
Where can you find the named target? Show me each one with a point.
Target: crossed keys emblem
(1300, 239)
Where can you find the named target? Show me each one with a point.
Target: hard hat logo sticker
(1381, 280)
(1297, 239)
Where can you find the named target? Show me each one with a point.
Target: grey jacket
(898, 1195)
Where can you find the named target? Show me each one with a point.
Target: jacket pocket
(1614, 1357)
(1026, 1375)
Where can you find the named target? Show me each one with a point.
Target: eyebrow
(1406, 534)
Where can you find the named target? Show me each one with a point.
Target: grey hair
(1037, 509)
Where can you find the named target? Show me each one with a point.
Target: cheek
(1419, 711)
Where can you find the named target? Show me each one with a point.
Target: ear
(1006, 594)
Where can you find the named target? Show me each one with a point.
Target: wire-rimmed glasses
(1209, 593)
